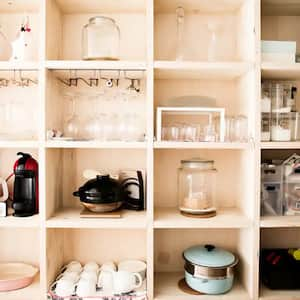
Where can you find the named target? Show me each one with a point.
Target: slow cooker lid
(209, 256)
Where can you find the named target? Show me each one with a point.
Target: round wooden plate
(201, 216)
(186, 289)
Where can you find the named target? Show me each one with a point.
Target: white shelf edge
(280, 145)
(19, 144)
(280, 222)
(169, 218)
(86, 65)
(96, 145)
(70, 218)
(200, 145)
(11, 65)
(15, 222)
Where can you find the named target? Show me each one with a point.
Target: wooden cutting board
(85, 213)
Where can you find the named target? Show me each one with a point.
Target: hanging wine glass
(72, 125)
(92, 126)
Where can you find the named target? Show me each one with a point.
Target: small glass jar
(196, 187)
(265, 127)
(295, 126)
(100, 39)
(281, 127)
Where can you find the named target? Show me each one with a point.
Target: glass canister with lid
(100, 39)
(196, 187)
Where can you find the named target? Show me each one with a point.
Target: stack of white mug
(91, 279)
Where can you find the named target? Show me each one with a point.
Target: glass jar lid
(198, 163)
(100, 19)
(209, 256)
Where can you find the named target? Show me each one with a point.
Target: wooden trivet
(85, 213)
(186, 289)
(201, 216)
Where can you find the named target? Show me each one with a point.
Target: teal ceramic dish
(209, 270)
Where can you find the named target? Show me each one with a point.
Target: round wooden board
(186, 289)
(201, 216)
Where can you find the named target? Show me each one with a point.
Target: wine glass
(92, 126)
(213, 27)
(72, 124)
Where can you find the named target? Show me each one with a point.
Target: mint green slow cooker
(208, 269)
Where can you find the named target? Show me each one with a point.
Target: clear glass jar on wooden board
(100, 39)
(196, 187)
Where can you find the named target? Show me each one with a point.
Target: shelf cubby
(285, 238)
(64, 168)
(232, 20)
(14, 241)
(234, 204)
(65, 20)
(169, 245)
(84, 245)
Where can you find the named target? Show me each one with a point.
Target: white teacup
(85, 288)
(133, 266)
(72, 276)
(73, 266)
(105, 281)
(64, 287)
(108, 266)
(89, 275)
(91, 266)
(120, 282)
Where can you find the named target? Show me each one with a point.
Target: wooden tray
(85, 213)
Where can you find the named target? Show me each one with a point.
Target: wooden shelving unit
(159, 234)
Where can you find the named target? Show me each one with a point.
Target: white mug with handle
(63, 287)
(125, 282)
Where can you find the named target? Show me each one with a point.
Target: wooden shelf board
(19, 144)
(196, 6)
(15, 222)
(95, 65)
(19, 6)
(70, 218)
(280, 145)
(96, 145)
(279, 221)
(11, 65)
(103, 6)
(267, 294)
(200, 145)
(166, 289)
(280, 7)
(169, 217)
(272, 70)
(200, 70)
(32, 292)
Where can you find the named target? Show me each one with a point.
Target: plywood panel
(170, 244)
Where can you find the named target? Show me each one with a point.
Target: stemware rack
(159, 234)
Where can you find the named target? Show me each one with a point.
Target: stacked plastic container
(280, 118)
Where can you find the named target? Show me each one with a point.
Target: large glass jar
(101, 39)
(196, 187)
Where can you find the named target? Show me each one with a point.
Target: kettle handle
(76, 194)
(4, 196)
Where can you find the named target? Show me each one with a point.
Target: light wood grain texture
(267, 294)
(167, 289)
